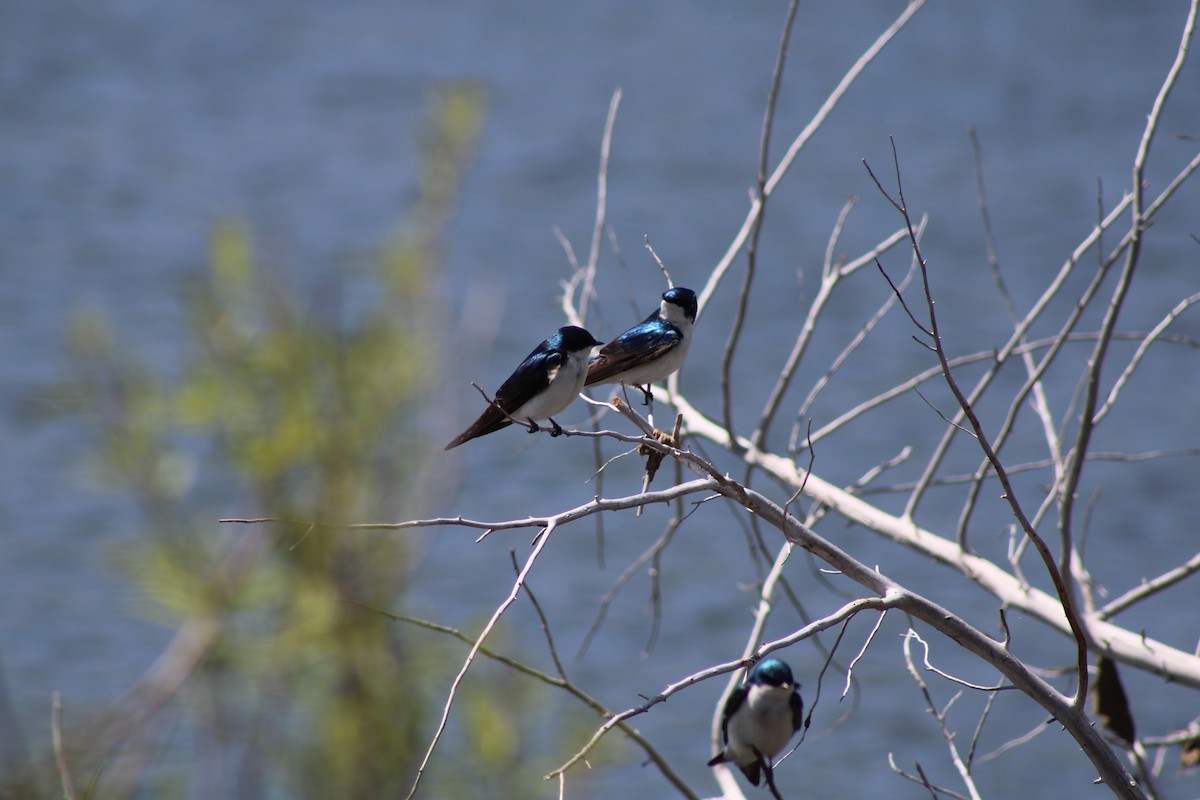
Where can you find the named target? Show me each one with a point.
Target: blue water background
(129, 129)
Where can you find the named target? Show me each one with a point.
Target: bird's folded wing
(731, 706)
(638, 345)
(797, 712)
(528, 380)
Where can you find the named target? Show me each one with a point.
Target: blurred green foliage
(296, 687)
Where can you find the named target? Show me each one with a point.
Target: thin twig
(901, 389)
(940, 673)
(586, 510)
(1151, 337)
(1040, 404)
(798, 143)
(656, 567)
(760, 199)
(922, 780)
(540, 545)
(60, 756)
(1017, 742)
(583, 278)
(722, 669)
(558, 682)
(1060, 581)
(862, 652)
(851, 347)
(1145, 652)
(987, 710)
(601, 203)
(1138, 222)
(1149, 588)
(1014, 469)
(964, 772)
(661, 266)
(541, 615)
(1001, 356)
(619, 584)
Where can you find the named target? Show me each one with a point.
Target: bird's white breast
(566, 382)
(764, 722)
(663, 366)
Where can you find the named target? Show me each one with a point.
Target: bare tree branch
(1130, 647)
(760, 198)
(1150, 588)
(811, 629)
(584, 279)
(60, 757)
(561, 682)
(1139, 220)
(540, 545)
(1058, 575)
(964, 772)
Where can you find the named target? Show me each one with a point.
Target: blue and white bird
(651, 350)
(759, 719)
(543, 384)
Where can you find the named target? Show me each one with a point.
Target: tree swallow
(544, 384)
(759, 719)
(650, 350)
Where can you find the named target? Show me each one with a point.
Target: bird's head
(573, 339)
(678, 305)
(771, 672)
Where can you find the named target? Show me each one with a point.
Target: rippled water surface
(128, 129)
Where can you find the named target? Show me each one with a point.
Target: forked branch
(933, 332)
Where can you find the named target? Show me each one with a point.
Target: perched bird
(544, 384)
(759, 719)
(650, 350)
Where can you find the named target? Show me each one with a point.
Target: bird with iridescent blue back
(542, 385)
(651, 350)
(759, 719)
